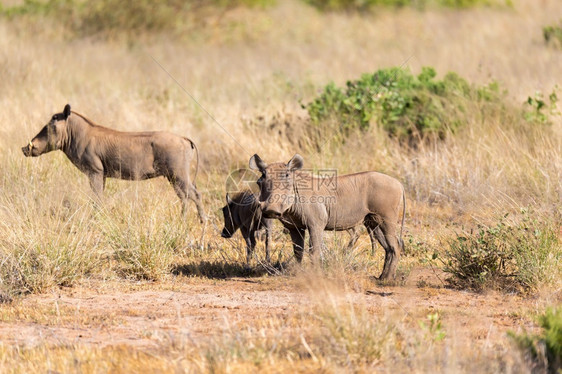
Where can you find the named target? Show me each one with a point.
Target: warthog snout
(27, 149)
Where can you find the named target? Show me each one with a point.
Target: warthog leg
(316, 241)
(97, 183)
(250, 239)
(196, 198)
(186, 190)
(267, 239)
(391, 246)
(297, 236)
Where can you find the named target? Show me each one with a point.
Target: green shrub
(520, 255)
(544, 349)
(408, 107)
(540, 110)
(553, 35)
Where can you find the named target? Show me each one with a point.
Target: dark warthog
(302, 201)
(243, 212)
(102, 153)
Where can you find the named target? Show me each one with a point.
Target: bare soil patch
(143, 314)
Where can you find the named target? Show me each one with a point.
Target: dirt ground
(144, 314)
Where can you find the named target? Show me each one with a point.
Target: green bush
(521, 255)
(408, 107)
(544, 349)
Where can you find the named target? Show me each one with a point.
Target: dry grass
(51, 233)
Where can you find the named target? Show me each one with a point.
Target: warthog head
(50, 137)
(230, 224)
(277, 184)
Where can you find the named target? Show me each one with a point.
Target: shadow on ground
(223, 270)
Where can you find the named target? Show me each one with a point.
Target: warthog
(243, 212)
(101, 153)
(305, 202)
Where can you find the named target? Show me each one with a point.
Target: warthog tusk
(30, 145)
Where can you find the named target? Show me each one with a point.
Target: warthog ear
(295, 163)
(256, 163)
(228, 199)
(66, 111)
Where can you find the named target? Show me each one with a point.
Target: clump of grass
(144, 247)
(352, 338)
(408, 107)
(340, 262)
(146, 260)
(523, 254)
(544, 350)
(37, 257)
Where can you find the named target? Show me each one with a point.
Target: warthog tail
(193, 146)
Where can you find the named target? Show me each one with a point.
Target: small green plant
(553, 35)
(408, 107)
(544, 349)
(415, 247)
(541, 110)
(433, 327)
(522, 254)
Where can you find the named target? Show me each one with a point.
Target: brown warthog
(306, 202)
(243, 212)
(100, 152)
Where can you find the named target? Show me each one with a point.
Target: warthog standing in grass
(306, 202)
(243, 212)
(100, 153)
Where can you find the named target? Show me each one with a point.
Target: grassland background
(251, 68)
